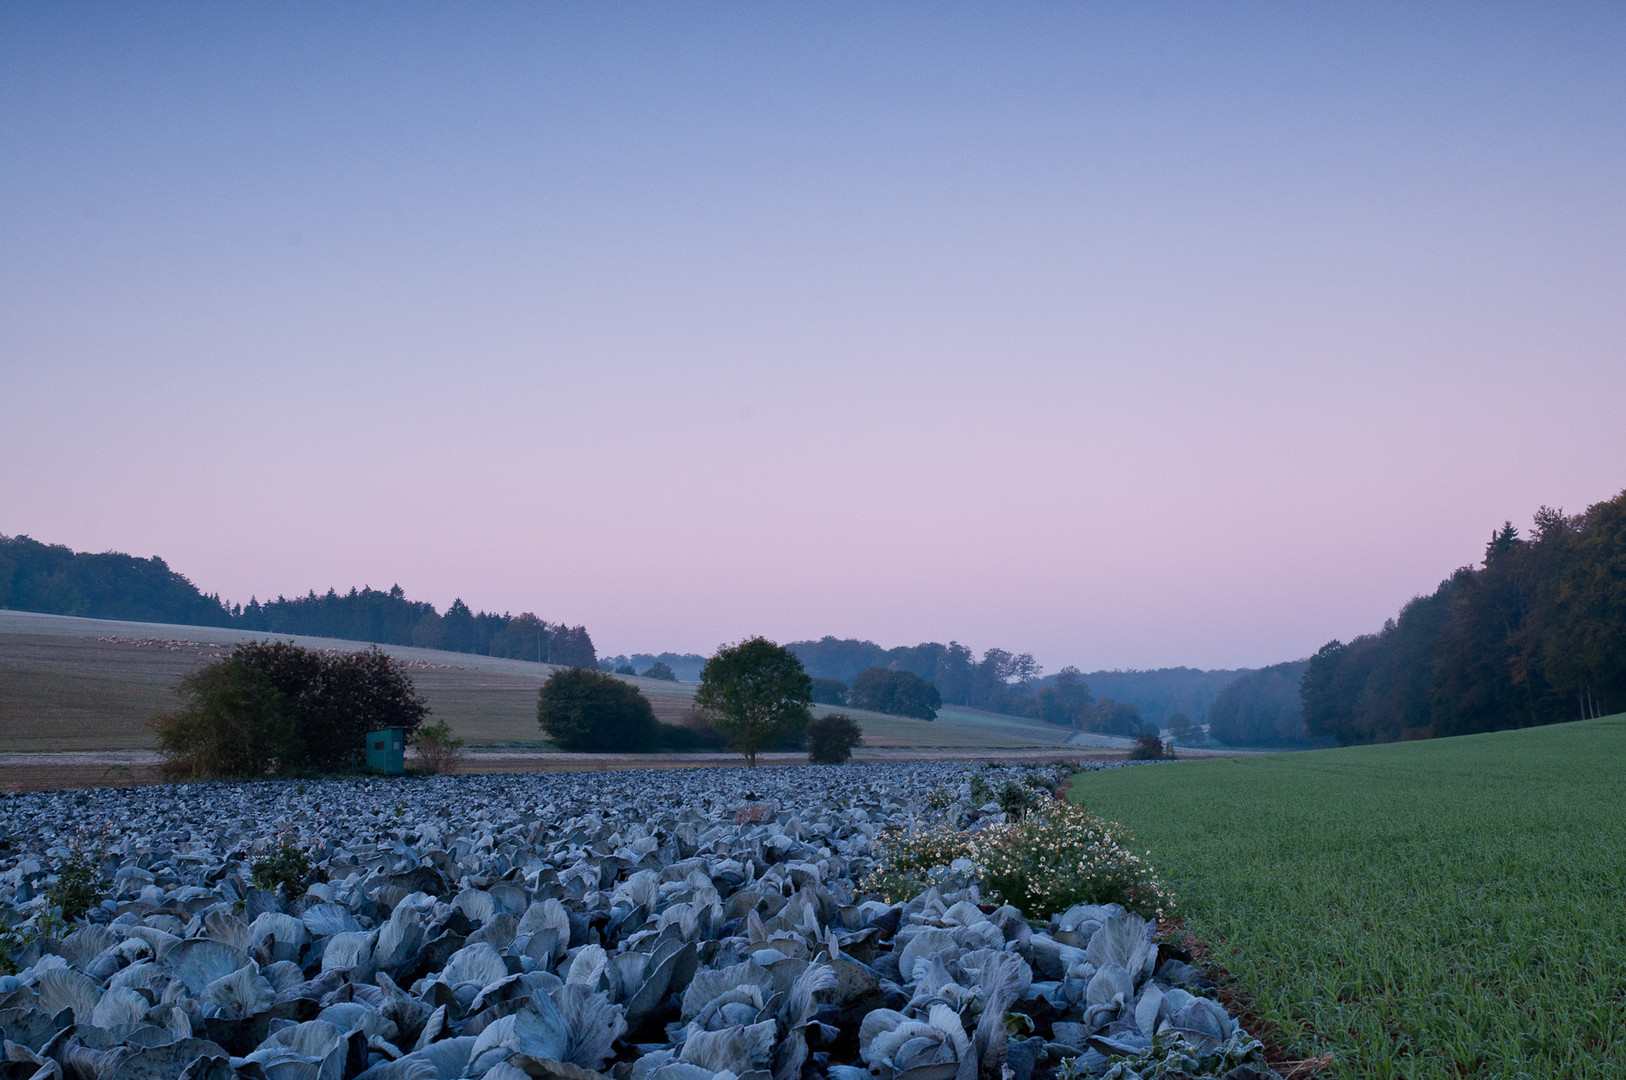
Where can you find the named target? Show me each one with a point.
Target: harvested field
(89, 684)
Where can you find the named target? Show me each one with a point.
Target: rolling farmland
(69, 684)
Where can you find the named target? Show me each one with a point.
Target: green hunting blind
(386, 750)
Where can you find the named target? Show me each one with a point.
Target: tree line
(685, 667)
(56, 580)
(999, 681)
(1535, 635)
(390, 618)
(1015, 684)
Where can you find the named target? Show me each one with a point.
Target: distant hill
(56, 580)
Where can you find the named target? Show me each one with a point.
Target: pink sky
(1128, 341)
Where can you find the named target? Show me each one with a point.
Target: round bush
(830, 739)
(584, 710)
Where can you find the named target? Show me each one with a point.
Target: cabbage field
(659, 925)
(1450, 908)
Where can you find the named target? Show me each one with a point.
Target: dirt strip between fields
(127, 768)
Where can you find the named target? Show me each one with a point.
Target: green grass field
(1453, 908)
(89, 684)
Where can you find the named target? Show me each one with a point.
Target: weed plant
(1015, 799)
(1423, 910)
(287, 864)
(78, 886)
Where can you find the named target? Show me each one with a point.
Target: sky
(1126, 335)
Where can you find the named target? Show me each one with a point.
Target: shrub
(1039, 781)
(274, 706)
(286, 864)
(661, 670)
(694, 732)
(584, 710)
(1057, 856)
(1150, 748)
(355, 692)
(439, 751)
(830, 739)
(233, 722)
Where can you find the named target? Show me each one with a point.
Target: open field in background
(1450, 908)
(25, 771)
(62, 688)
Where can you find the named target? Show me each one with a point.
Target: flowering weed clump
(1061, 855)
(1058, 855)
(912, 858)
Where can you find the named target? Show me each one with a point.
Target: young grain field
(1452, 908)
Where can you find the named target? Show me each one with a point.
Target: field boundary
(26, 771)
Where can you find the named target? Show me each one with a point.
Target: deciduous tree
(898, 693)
(756, 694)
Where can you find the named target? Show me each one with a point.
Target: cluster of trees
(1065, 699)
(685, 667)
(897, 693)
(657, 670)
(1109, 717)
(1535, 635)
(1160, 693)
(754, 695)
(392, 619)
(1262, 708)
(1014, 684)
(276, 707)
(999, 682)
(56, 580)
(829, 691)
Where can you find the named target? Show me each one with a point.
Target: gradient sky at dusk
(1127, 335)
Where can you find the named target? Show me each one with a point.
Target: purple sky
(1127, 336)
